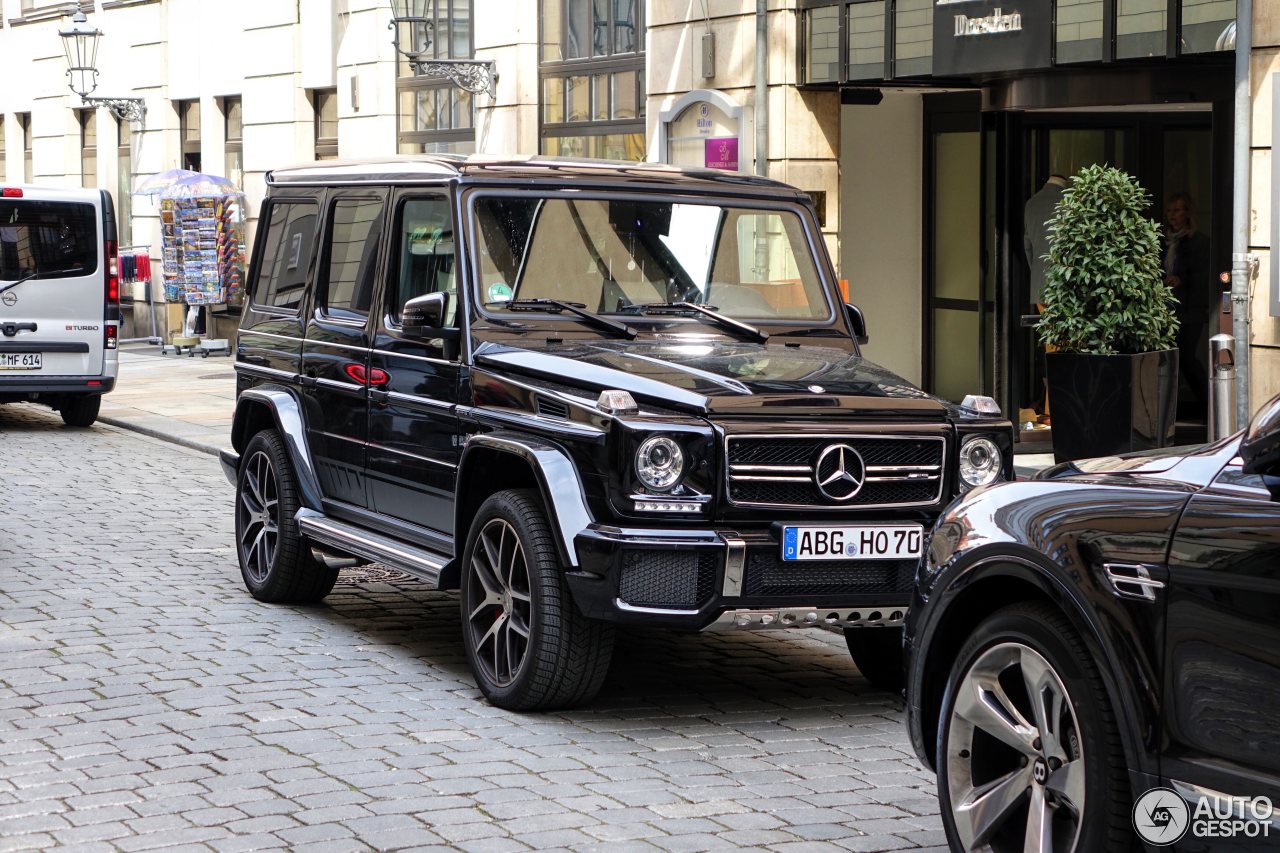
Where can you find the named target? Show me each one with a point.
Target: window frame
(266, 217)
(320, 288)
(87, 118)
(389, 310)
(588, 68)
(24, 125)
(233, 144)
(187, 144)
(326, 147)
(408, 81)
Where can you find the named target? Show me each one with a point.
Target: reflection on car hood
(726, 378)
(1192, 465)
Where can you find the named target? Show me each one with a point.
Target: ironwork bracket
(125, 109)
(474, 75)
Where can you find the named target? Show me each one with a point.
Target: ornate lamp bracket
(125, 109)
(474, 75)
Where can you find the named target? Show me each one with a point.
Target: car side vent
(1129, 580)
(551, 408)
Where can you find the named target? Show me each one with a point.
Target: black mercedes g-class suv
(583, 394)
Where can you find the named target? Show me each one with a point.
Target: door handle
(11, 329)
(382, 398)
(307, 381)
(252, 359)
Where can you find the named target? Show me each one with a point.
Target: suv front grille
(679, 579)
(766, 574)
(783, 471)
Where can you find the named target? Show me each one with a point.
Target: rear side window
(47, 239)
(355, 232)
(286, 255)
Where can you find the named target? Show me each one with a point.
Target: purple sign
(721, 153)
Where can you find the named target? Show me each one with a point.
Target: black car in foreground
(584, 395)
(1094, 655)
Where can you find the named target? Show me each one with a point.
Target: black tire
(275, 562)
(529, 647)
(80, 411)
(877, 652)
(1070, 758)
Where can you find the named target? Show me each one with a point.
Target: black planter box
(1107, 404)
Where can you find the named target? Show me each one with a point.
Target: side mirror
(1260, 447)
(857, 322)
(423, 316)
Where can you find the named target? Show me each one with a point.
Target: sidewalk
(190, 401)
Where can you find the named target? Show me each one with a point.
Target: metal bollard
(1222, 386)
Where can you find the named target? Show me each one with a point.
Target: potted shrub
(1108, 322)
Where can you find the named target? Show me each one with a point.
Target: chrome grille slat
(765, 470)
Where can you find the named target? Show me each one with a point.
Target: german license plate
(19, 361)
(852, 542)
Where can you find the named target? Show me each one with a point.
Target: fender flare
(557, 479)
(1134, 715)
(286, 414)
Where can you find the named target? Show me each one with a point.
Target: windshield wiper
(11, 285)
(576, 308)
(724, 321)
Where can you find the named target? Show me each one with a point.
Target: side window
(355, 232)
(424, 255)
(286, 255)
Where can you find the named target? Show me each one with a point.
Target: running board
(323, 530)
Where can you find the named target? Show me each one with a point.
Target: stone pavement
(190, 401)
(148, 702)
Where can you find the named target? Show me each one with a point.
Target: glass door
(957, 331)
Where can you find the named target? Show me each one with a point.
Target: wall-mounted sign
(980, 36)
(721, 153)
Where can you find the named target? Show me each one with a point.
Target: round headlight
(980, 462)
(659, 463)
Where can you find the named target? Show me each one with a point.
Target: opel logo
(839, 472)
(9, 299)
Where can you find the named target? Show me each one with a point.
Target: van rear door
(52, 282)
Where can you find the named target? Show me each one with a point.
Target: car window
(609, 254)
(286, 254)
(424, 254)
(41, 238)
(355, 232)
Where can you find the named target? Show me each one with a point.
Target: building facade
(921, 128)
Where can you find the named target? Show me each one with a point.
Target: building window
(233, 127)
(124, 180)
(592, 79)
(325, 104)
(434, 115)
(189, 133)
(24, 125)
(1207, 25)
(88, 147)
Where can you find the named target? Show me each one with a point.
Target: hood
(1193, 465)
(721, 378)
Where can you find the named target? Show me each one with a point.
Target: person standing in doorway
(1187, 272)
(1035, 232)
(1035, 242)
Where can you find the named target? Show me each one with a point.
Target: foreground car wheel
(276, 564)
(80, 411)
(877, 652)
(1029, 757)
(528, 646)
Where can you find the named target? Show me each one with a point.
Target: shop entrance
(1171, 155)
(981, 168)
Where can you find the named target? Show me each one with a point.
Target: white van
(59, 299)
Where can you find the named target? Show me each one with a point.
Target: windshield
(622, 255)
(44, 237)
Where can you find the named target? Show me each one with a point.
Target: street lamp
(410, 25)
(80, 42)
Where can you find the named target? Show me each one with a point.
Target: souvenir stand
(202, 227)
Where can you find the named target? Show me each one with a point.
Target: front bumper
(721, 579)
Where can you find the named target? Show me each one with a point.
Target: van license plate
(19, 361)
(852, 542)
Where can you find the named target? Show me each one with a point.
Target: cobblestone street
(147, 701)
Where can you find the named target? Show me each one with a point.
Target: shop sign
(981, 36)
(722, 153)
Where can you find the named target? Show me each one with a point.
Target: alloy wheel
(1014, 761)
(259, 517)
(499, 605)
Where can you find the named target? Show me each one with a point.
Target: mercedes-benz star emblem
(839, 472)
